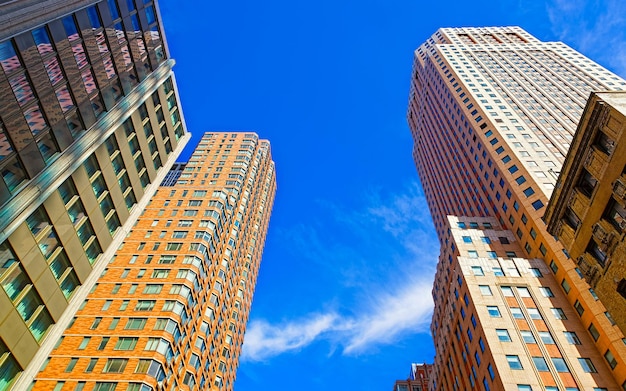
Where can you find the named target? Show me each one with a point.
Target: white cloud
(390, 316)
(390, 265)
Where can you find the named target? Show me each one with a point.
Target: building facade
(493, 112)
(170, 310)
(418, 379)
(587, 211)
(501, 321)
(89, 124)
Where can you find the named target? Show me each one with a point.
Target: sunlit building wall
(501, 321)
(89, 124)
(170, 310)
(493, 112)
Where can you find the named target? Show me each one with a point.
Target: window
(506, 291)
(608, 356)
(91, 365)
(540, 364)
(572, 338)
(153, 288)
(546, 338)
(145, 305)
(558, 313)
(135, 324)
(517, 313)
(83, 343)
(503, 335)
(477, 271)
(115, 365)
(514, 362)
(485, 239)
(565, 286)
(493, 311)
(173, 246)
(472, 254)
(492, 374)
(105, 386)
(524, 387)
(160, 273)
(71, 365)
(485, 290)
(497, 271)
(594, 332)
(546, 291)
(579, 308)
(560, 364)
(103, 343)
(126, 343)
(534, 313)
(467, 239)
(587, 365)
(527, 336)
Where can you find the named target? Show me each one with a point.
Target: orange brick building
(170, 310)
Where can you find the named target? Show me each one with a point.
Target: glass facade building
(89, 124)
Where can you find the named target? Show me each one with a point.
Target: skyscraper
(170, 309)
(492, 112)
(89, 124)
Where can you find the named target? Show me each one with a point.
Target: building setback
(90, 123)
(170, 309)
(493, 112)
(418, 379)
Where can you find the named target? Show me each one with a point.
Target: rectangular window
(503, 335)
(527, 336)
(477, 271)
(126, 343)
(493, 311)
(608, 356)
(135, 323)
(587, 365)
(572, 338)
(546, 291)
(145, 305)
(485, 290)
(115, 365)
(558, 313)
(514, 362)
(540, 364)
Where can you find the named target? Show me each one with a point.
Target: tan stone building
(169, 311)
(493, 112)
(501, 321)
(587, 210)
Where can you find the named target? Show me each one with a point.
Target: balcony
(565, 233)
(605, 236)
(596, 162)
(619, 188)
(590, 269)
(579, 203)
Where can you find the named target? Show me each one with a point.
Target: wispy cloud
(387, 255)
(596, 28)
(407, 310)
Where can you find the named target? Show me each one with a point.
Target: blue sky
(343, 296)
